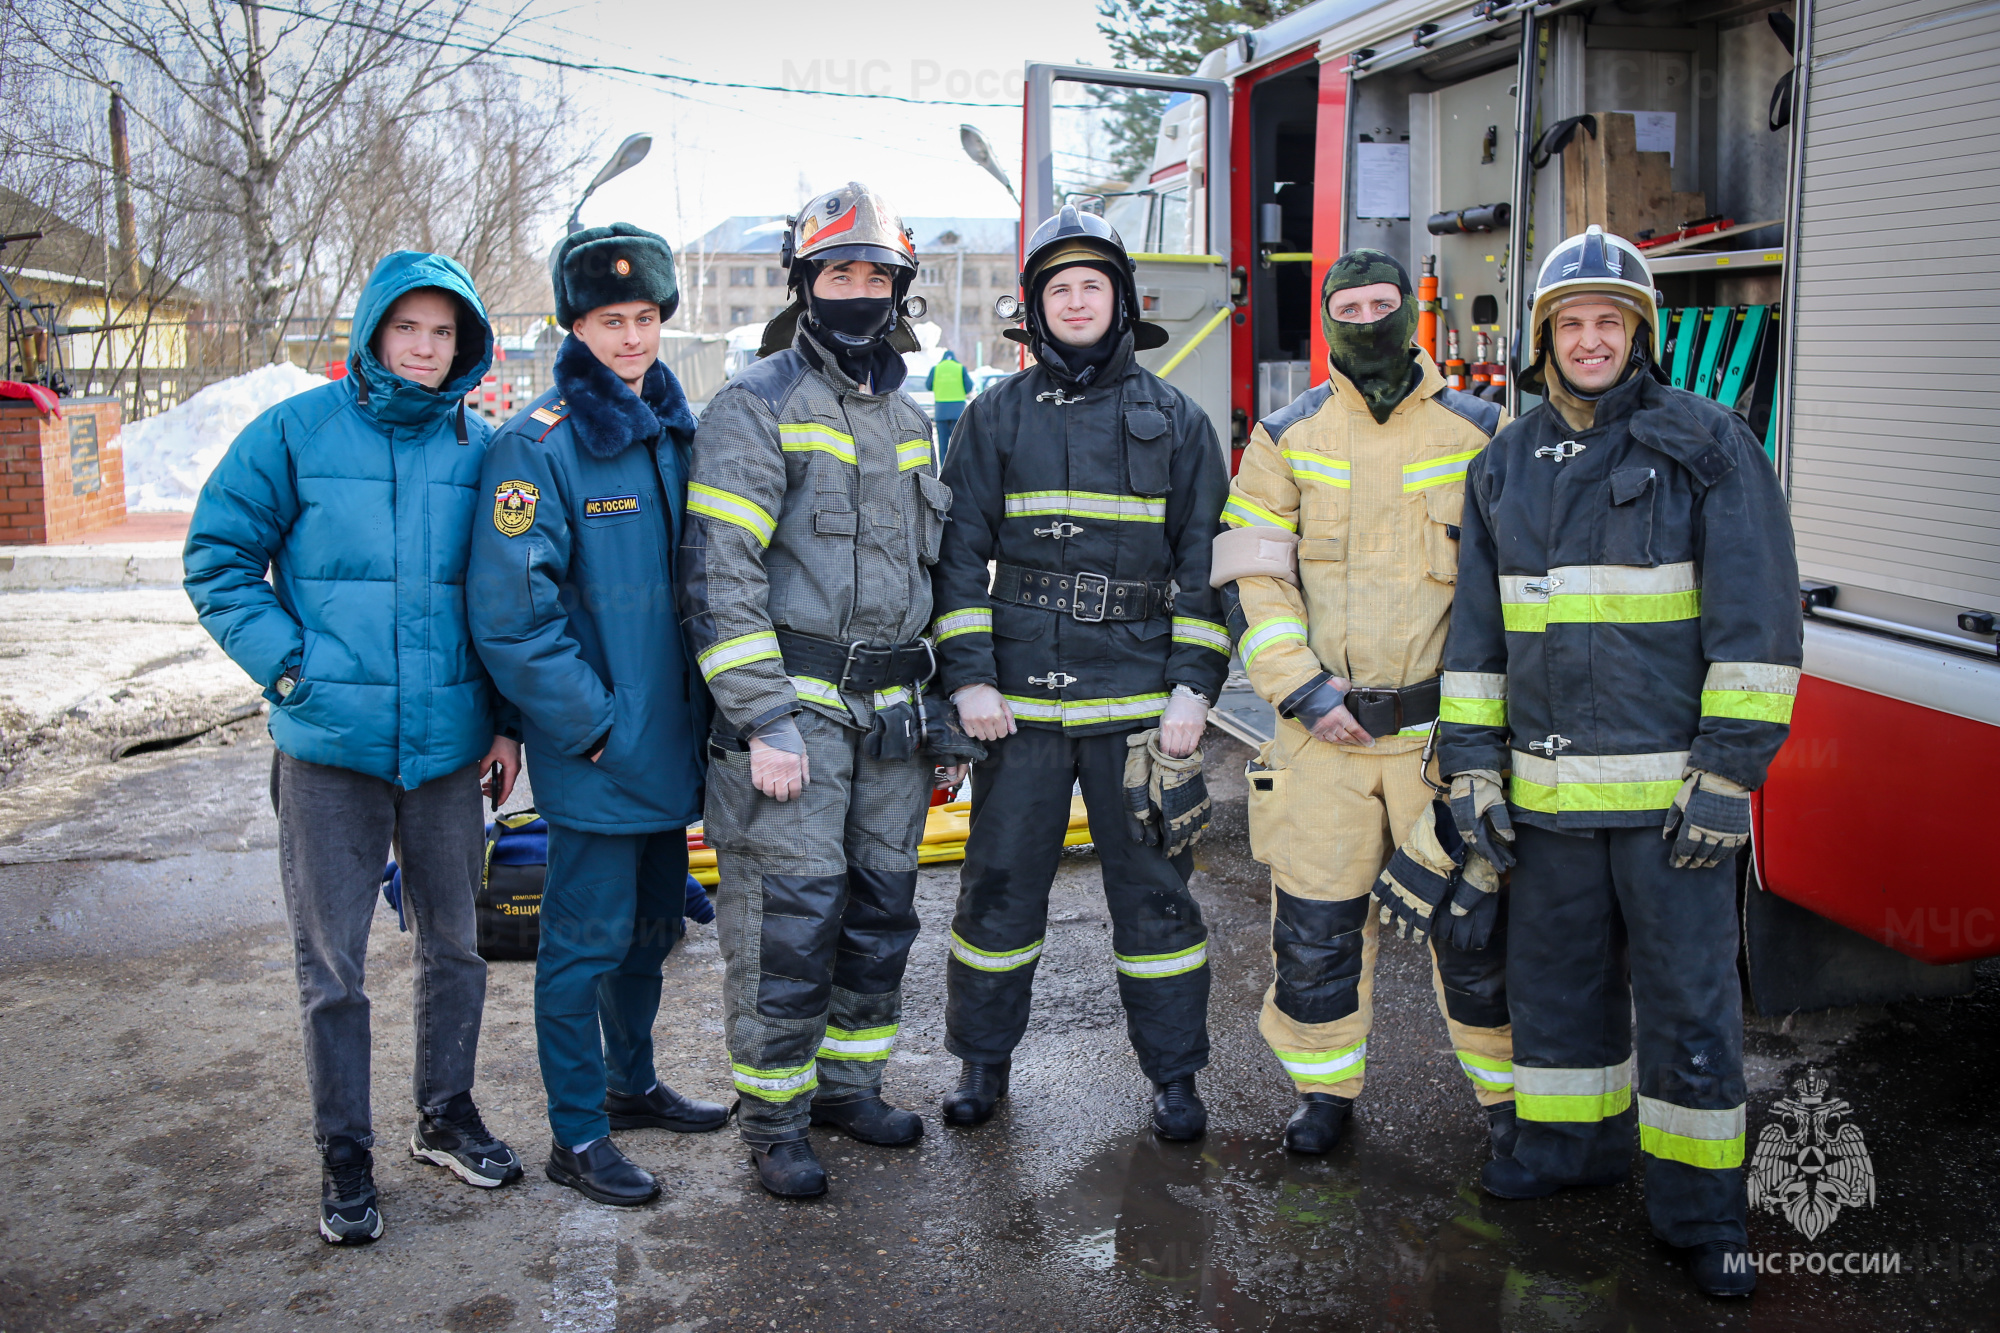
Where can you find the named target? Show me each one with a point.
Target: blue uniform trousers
(611, 911)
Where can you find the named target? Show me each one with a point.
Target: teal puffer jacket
(359, 498)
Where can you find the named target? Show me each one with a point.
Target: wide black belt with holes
(857, 667)
(1083, 596)
(1384, 712)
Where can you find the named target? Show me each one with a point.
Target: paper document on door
(1382, 180)
(1654, 132)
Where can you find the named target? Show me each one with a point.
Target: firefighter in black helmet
(1095, 489)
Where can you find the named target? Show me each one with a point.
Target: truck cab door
(1152, 152)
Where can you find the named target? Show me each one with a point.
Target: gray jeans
(336, 829)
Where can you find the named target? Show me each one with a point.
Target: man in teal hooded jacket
(358, 497)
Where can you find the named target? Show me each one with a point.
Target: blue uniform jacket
(572, 595)
(358, 497)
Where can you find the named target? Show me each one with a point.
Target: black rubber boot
(1505, 1178)
(663, 1108)
(602, 1173)
(1722, 1268)
(789, 1168)
(1316, 1122)
(871, 1120)
(980, 1089)
(348, 1211)
(1502, 1128)
(1177, 1111)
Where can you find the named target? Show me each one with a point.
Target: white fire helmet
(1595, 265)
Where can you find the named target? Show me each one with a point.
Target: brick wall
(59, 478)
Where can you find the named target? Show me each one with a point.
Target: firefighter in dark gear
(1358, 482)
(1094, 488)
(1625, 647)
(814, 515)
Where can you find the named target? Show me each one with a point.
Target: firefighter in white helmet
(1624, 647)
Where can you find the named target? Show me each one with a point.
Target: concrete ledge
(121, 565)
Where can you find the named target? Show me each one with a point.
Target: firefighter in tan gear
(1350, 498)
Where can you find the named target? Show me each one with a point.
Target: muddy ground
(158, 1172)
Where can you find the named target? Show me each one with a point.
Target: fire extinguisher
(1427, 308)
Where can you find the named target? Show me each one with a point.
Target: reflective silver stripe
(1690, 1123)
(1265, 633)
(1316, 467)
(994, 962)
(1321, 1066)
(1163, 964)
(1248, 514)
(1573, 1082)
(1474, 684)
(1598, 581)
(912, 453)
(1563, 769)
(734, 509)
(972, 620)
(736, 652)
(864, 1044)
(889, 698)
(817, 690)
(1086, 504)
(1756, 677)
(1087, 712)
(1035, 710)
(811, 437)
(1437, 471)
(782, 1082)
(1205, 633)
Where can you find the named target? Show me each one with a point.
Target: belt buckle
(1102, 586)
(854, 650)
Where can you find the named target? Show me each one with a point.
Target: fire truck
(1817, 187)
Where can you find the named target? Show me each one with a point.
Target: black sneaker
(457, 1140)
(347, 1211)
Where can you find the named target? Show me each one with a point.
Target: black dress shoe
(1502, 1129)
(980, 1088)
(1316, 1123)
(1505, 1178)
(789, 1169)
(871, 1120)
(602, 1173)
(663, 1108)
(1722, 1268)
(1177, 1111)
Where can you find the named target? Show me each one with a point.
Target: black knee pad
(876, 930)
(801, 930)
(1319, 956)
(1475, 980)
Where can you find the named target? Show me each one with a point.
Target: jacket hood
(608, 417)
(391, 399)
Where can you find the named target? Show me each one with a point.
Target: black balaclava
(1378, 358)
(1083, 364)
(856, 331)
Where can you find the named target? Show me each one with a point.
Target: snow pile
(168, 457)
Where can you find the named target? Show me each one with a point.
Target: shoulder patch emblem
(514, 507)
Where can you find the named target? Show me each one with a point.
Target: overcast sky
(718, 152)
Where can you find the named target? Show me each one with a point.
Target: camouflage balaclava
(1378, 357)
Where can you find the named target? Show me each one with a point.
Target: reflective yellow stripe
(733, 509)
(1476, 698)
(972, 620)
(859, 1044)
(775, 1085)
(1599, 594)
(1580, 783)
(1325, 1066)
(1087, 712)
(889, 698)
(1318, 467)
(1264, 633)
(1203, 633)
(819, 691)
(1487, 1073)
(987, 961)
(1755, 691)
(1086, 504)
(739, 651)
(1709, 1139)
(1152, 966)
(1572, 1095)
(1241, 513)
(811, 437)
(912, 453)
(1437, 471)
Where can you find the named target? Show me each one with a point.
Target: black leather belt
(858, 667)
(1085, 596)
(1383, 712)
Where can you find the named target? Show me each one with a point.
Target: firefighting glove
(1139, 820)
(945, 742)
(1713, 815)
(1475, 905)
(1166, 798)
(896, 735)
(1420, 873)
(1479, 809)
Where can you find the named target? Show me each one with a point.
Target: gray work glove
(1713, 815)
(897, 733)
(1479, 809)
(1166, 798)
(1475, 906)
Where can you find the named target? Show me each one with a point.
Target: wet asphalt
(157, 1170)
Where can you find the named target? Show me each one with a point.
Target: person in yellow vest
(950, 384)
(1348, 503)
